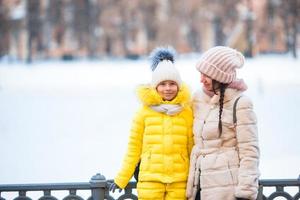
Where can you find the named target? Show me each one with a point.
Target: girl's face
(207, 82)
(167, 90)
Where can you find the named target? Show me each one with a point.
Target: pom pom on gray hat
(162, 66)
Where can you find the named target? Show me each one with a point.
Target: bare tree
(191, 19)
(295, 23)
(55, 29)
(249, 29)
(33, 27)
(149, 10)
(131, 28)
(4, 29)
(93, 28)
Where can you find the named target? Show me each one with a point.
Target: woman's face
(207, 82)
(167, 90)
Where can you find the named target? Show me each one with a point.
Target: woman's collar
(230, 93)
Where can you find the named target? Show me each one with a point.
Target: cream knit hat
(163, 67)
(220, 63)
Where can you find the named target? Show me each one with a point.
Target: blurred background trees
(35, 29)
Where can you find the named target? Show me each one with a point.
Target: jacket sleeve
(190, 132)
(193, 177)
(247, 142)
(132, 156)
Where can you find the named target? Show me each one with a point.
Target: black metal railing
(98, 190)
(279, 187)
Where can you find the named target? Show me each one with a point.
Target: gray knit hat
(220, 63)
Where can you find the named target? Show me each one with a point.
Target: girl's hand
(113, 186)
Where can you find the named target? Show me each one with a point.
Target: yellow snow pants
(161, 191)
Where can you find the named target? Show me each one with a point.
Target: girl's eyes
(167, 83)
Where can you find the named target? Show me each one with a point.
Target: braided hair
(222, 87)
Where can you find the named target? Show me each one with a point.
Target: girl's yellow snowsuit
(162, 143)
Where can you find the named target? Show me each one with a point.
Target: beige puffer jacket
(227, 165)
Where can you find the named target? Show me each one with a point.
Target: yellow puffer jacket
(161, 142)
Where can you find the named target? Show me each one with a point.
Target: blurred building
(34, 29)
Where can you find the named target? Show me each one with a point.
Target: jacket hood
(149, 96)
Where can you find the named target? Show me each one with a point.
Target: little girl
(161, 135)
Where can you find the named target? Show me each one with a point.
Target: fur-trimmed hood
(149, 96)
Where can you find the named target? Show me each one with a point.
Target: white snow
(66, 121)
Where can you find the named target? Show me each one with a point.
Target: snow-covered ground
(66, 121)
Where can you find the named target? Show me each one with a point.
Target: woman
(225, 157)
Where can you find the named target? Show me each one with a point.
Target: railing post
(260, 192)
(98, 192)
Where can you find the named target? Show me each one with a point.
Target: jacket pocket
(218, 178)
(185, 161)
(183, 157)
(216, 171)
(233, 165)
(145, 161)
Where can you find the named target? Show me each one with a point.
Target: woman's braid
(222, 87)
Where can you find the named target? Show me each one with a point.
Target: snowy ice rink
(64, 122)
